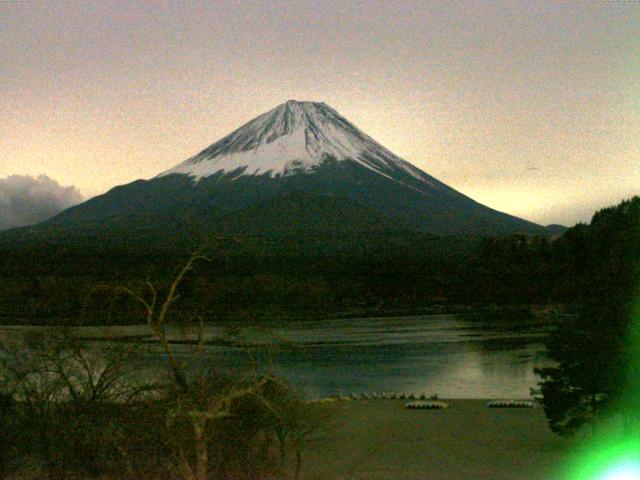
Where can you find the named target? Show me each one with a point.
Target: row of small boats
(423, 401)
(388, 396)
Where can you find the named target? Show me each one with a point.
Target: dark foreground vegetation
(69, 410)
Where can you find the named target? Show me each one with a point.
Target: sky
(532, 108)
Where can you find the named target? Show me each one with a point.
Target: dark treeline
(318, 275)
(596, 351)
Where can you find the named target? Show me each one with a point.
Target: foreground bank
(381, 440)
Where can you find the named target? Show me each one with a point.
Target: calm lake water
(451, 355)
(455, 356)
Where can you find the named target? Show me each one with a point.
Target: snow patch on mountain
(294, 137)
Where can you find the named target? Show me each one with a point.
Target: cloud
(25, 200)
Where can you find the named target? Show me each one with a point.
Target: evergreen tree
(594, 350)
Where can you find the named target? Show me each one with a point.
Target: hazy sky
(532, 108)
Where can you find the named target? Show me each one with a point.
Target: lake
(450, 355)
(454, 356)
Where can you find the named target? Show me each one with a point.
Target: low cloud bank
(25, 200)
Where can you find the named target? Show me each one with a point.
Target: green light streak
(623, 471)
(616, 461)
(613, 453)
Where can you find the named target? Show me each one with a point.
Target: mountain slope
(303, 213)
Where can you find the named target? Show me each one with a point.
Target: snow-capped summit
(294, 137)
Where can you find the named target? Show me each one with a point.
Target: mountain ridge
(302, 147)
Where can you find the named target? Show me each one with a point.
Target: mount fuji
(298, 168)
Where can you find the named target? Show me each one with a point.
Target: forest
(316, 276)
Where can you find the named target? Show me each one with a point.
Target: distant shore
(504, 310)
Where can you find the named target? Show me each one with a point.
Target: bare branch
(172, 296)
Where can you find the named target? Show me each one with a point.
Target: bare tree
(206, 401)
(199, 399)
(62, 389)
(157, 309)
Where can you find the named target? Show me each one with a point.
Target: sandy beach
(380, 439)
